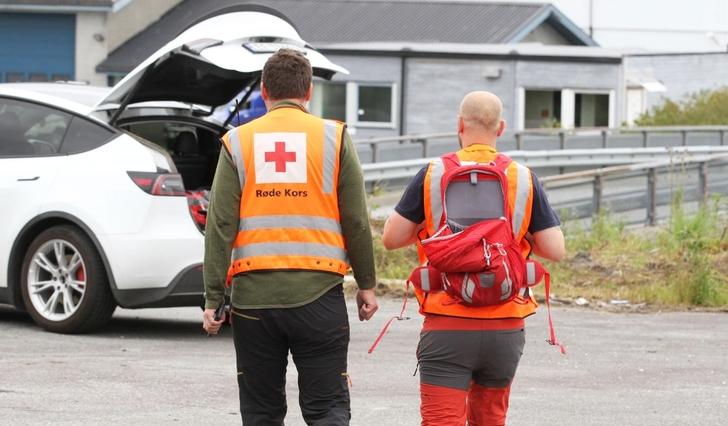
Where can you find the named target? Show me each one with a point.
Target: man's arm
(408, 216)
(547, 239)
(399, 232)
(355, 227)
(223, 215)
(549, 244)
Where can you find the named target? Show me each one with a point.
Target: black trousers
(317, 335)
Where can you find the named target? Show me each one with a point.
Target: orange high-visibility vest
(519, 204)
(288, 167)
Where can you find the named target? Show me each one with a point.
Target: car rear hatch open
(213, 60)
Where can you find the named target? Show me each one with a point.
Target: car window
(84, 135)
(28, 129)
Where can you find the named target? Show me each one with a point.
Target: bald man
(468, 355)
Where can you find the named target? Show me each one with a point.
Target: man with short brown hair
(288, 203)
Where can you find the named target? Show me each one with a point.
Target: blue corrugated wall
(35, 46)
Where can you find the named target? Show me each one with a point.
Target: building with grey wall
(651, 78)
(541, 86)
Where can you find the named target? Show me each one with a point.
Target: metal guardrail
(639, 186)
(520, 137)
(393, 170)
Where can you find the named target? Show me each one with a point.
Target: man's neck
(287, 102)
(478, 141)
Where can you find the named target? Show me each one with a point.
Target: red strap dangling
(399, 317)
(552, 334)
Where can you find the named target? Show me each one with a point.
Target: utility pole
(591, 18)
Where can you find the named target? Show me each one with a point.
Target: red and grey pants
(466, 369)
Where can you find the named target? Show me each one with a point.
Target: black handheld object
(220, 311)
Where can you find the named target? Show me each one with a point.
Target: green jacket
(283, 289)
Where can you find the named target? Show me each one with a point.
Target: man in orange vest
(288, 206)
(468, 355)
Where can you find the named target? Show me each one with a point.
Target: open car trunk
(203, 68)
(194, 147)
(212, 61)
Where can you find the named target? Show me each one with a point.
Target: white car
(103, 205)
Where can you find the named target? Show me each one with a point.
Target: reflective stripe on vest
(433, 196)
(292, 249)
(521, 206)
(234, 149)
(288, 221)
(425, 279)
(330, 135)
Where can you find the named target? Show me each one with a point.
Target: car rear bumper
(186, 289)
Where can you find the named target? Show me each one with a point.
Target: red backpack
(477, 259)
(474, 256)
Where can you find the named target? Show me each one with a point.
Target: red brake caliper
(80, 274)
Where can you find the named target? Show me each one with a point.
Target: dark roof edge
(676, 53)
(34, 8)
(550, 13)
(453, 55)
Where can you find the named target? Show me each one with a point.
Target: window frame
(568, 104)
(351, 104)
(354, 87)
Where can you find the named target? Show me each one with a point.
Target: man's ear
(264, 92)
(461, 125)
(501, 128)
(309, 93)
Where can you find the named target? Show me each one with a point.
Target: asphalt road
(156, 367)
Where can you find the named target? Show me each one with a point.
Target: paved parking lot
(157, 367)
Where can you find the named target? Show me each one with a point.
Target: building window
(329, 100)
(375, 104)
(359, 104)
(543, 109)
(565, 108)
(591, 110)
(14, 77)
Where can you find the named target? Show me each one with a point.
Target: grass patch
(395, 264)
(683, 263)
(679, 264)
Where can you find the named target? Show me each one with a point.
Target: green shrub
(702, 108)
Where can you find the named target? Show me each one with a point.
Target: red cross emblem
(280, 157)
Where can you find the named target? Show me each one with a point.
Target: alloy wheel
(56, 280)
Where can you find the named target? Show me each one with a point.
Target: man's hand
(208, 322)
(366, 301)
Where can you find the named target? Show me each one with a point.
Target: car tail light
(198, 202)
(163, 184)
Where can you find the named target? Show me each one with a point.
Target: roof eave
(550, 13)
(38, 8)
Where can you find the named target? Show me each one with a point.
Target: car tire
(64, 284)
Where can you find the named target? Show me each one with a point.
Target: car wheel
(64, 284)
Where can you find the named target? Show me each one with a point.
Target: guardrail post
(703, 179)
(597, 200)
(562, 139)
(604, 139)
(644, 138)
(652, 197)
(519, 141)
(375, 152)
(684, 137)
(425, 150)
(722, 137)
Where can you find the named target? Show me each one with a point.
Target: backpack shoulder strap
(502, 161)
(450, 161)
